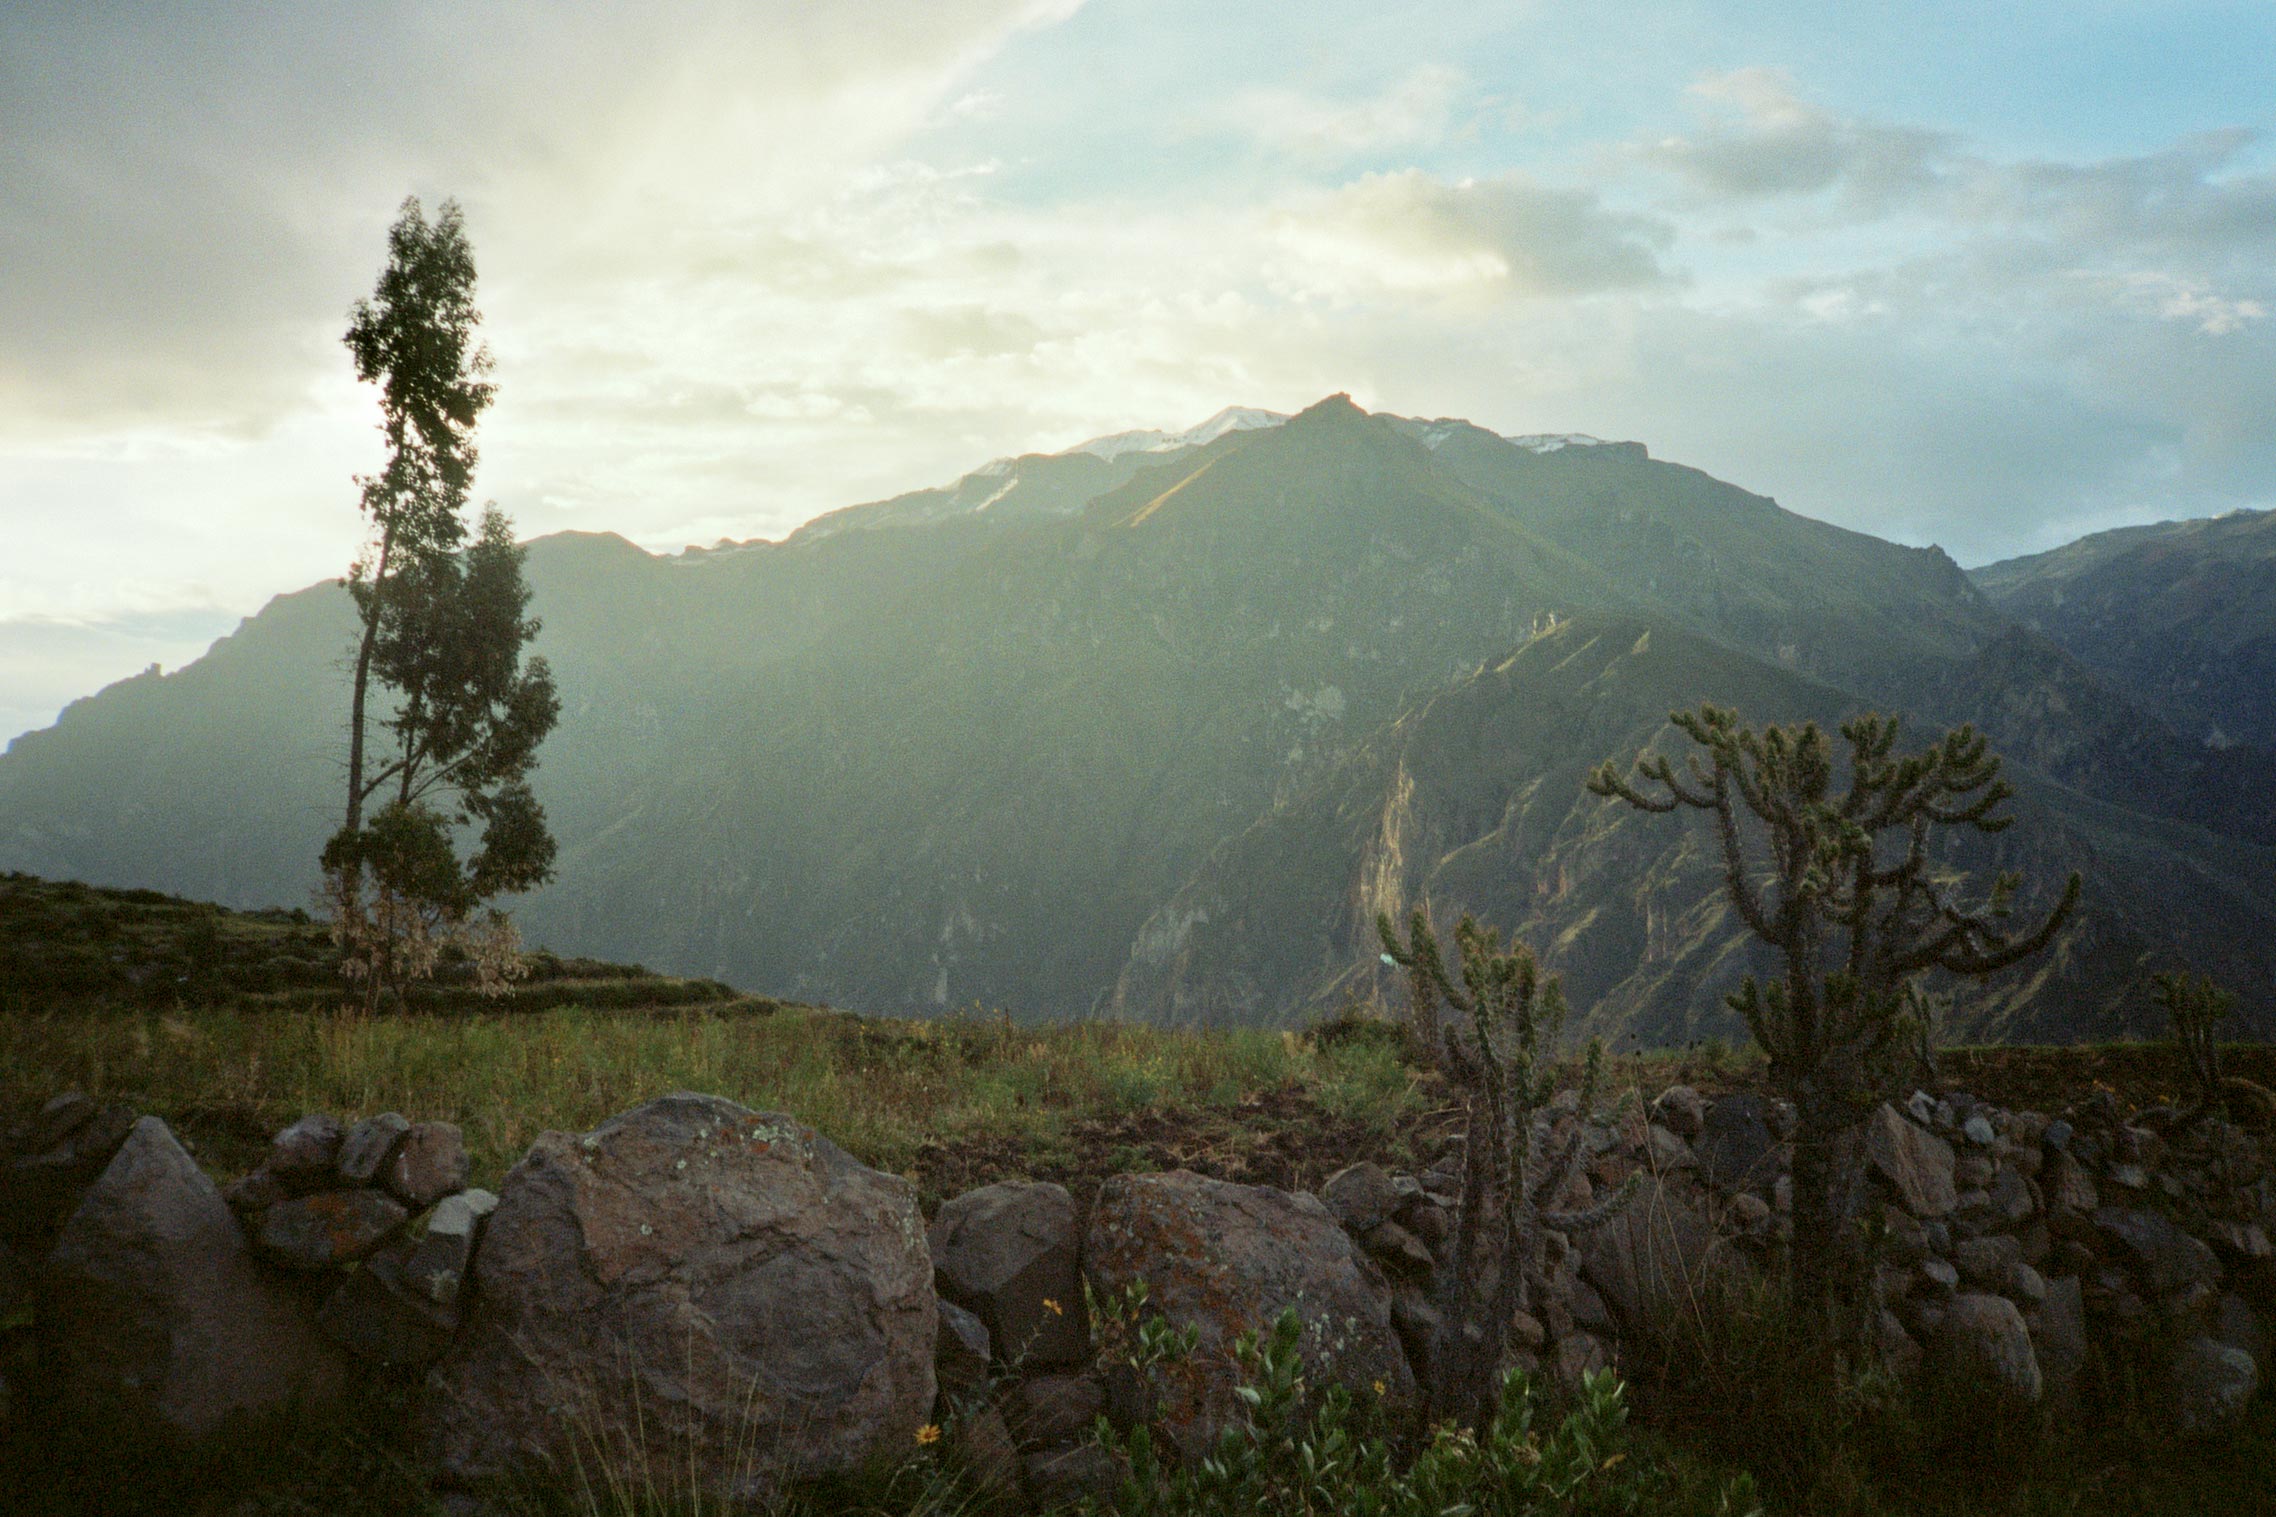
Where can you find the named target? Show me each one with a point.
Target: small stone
(2069, 1187)
(306, 1155)
(2131, 1176)
(429, 1163)
(1666, 1152)
(1978, 1130)
(1397, 1250)
(1986, 1261)
(1681, 1110)
(1526, 1332)
(254, 1192)
(328, 1229)
(463, 1213)
(960, 1353)
(2058, 1135)
(1972, 1171)
(1749, 1210)
(366, 1148)
(1939, 1276)
(2024, 1284)
(1360, 1196)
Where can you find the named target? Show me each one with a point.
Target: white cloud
(1416, 109)
(1410, 232)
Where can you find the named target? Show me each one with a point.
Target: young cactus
(1493, 1053)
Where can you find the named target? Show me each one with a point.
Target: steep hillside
(2181, 616)
(946, 752)
(1474, 800)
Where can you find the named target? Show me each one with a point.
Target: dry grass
(880, 1089)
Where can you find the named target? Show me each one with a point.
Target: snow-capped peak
(1552, 442)
(1231, 419)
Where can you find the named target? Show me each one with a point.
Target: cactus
(2196, 1008)
(1838, 879)
(1494, 1054)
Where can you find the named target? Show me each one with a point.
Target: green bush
(1300, 1452)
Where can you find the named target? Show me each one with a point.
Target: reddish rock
(329, 1228)
(428, 1164)
(1226, 1260)
(720, 1300)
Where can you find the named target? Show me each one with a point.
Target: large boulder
(710, 1302)
(160, 1321)
(45, 1167)
(1983, 1343)
(1917, 1162)
(2166, 1258)
(1226, 1260)
(2210, 1386)
(1655, 1260)
(1735, 1147)
(1011, 1254)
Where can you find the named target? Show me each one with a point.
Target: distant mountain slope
(1474, 800)
(948, 752)
(2181, 616)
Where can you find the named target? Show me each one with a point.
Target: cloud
(193, 194)
(1762, 140)
(1508, 235)
(1416, 109)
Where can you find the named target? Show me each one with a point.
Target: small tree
(1838, 879)
(1496, 1056)
(442, 624)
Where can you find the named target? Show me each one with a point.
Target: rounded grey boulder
(699, 1300)
(162, 1323)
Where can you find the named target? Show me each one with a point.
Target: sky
(1987, 276)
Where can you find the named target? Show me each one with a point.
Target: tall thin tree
(442, 625)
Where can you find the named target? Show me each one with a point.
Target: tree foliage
(445, 713)
(1838, 875)
(1496, 1053)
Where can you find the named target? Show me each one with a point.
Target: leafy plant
(1309, 1452)
(1513, 1171)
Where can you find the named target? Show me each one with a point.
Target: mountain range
(1153, 726)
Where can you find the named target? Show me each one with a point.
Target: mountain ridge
(965, 753)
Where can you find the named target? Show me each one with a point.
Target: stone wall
(696, 1288)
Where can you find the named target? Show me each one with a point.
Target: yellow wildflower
(1053, 1307)
(929, 1433)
